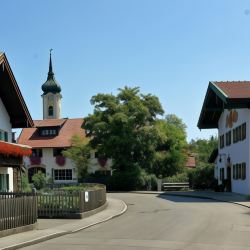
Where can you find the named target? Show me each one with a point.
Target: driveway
(164, 222)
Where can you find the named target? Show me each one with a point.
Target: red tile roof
(70, 127)
(49, 123)
(235, 89)
(191, 162)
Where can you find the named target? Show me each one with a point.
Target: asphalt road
(164, 222)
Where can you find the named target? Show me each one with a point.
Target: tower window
(51, 111)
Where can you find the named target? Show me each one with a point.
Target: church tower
(51, 96)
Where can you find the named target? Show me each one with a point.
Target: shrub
(39, 180)
(133, 179)
(202, 177)
(181, 177)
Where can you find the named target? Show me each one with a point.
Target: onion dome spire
(51, 85)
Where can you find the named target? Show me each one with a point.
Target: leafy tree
(39, 180)
(203, 149)
(202, 176)
(171, 153)
(122, 127)
(79, 153)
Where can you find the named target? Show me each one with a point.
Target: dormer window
(49, 131)
(51, 111)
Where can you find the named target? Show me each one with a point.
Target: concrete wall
(238, 152)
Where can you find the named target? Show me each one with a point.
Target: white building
(226, 107)
(50, 136)
(13, 114)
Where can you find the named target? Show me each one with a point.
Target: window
(239, 171)
(222, 141)
(51, 111)
(57, 151)
(228, 138)
(243, 168)
(48, 131)
(239, 133)
(63, 174)
(4, 136)
(243, 127)
(37, 152)
(4, 182)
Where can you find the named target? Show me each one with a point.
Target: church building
(50, 136)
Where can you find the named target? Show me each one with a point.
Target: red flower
(35, 160)
(60, 160)
(102, 161)
(12, 149)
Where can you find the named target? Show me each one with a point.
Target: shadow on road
(177, 198)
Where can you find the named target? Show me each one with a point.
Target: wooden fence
(69, 204)
(17, 210)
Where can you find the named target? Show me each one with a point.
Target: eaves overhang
(12, 97)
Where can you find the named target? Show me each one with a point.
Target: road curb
(59, 234)
(99, 222)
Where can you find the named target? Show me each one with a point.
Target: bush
(182, 177)
(83, 187)
(202, 177)
(129, 180)
(39, 180)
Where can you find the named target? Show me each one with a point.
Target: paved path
(164, 222)
(51, 228)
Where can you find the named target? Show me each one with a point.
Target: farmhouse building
(13, 114)
(226, 107)
(50, 136)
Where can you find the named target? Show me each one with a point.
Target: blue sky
(170, 48)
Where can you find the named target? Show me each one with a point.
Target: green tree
(39, 180)
(171, 153)
(79, 153)
(203, 149)
(202, 176)
(122, 127)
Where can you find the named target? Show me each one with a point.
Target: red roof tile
(235, 89)
(191, 162)
(70, 127)
(49, 123)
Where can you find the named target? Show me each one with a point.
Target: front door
(229, 181)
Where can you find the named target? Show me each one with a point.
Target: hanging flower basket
(102, 161)
(60, 160)
(12, 149)
(35, 160)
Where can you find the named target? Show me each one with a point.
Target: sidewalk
(242, 200)
(52, 228)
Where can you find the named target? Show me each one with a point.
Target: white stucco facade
(54, 101)
(5, 126)
(48, 163)
(235, 153)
